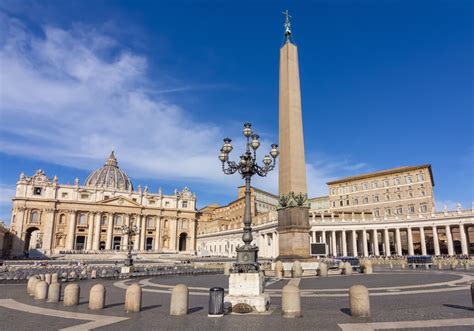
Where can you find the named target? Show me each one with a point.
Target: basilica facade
(52, 218)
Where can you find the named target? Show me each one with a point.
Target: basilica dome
(110, 176)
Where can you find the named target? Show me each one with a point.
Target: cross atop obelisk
(287, 25)
(292, 168)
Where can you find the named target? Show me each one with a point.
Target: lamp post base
(247, 288)
(246, 259)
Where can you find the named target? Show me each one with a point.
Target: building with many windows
(51, 218)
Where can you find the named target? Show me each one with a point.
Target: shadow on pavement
(195, 309)
(346, 311)
(150, 307)
(459, 307)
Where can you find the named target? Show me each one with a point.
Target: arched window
(166, 224)
(150, 222)
(103, 220)
(62, 219)
(34, 218)
(118, 220)
(82, 219)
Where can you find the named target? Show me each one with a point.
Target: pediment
(120, 201)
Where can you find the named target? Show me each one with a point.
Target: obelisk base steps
(248, 288)
(293, 229)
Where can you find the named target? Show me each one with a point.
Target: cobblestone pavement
(423, 299)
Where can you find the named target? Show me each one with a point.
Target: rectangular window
(421, 178)
(399, 210)
(340, 190)
(423, 193)
(375, 184)
(423, 208)
(64, 195)
(411, 209)
(341, 203)
(366, 200)
(364, 186)
(356, 201)
(397, 181)
(334, 203)
(347, 202)
(408, 178)
(354, 188)
(106, 197)
(386, 183)
(388, 211)
(377, 212)
(333, 191)
(376, 198)
(184, 204)
(84, 196)
(37, 190)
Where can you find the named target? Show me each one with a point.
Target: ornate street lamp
(247, 166)
(130, 230)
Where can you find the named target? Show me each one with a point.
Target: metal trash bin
(216, 302)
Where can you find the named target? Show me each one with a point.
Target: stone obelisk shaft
(292, 168)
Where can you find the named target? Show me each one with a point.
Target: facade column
(90, 230)
(173, 238)
(344, 243)
(157, 234)
(313, 236)
(354, 243)
(275, 243)
(364, 243)
(48, 231)
(387, 242)
(96, 243)
(376, 242)
(143, 230)
(71, 231)
(462, 234)
(323, 236)
(110, 229)
(334, 243)
(125, 237)
(410, 241)
(422, 241)
(449, 237)
(398, 240)
(136, 237)
(434, 230)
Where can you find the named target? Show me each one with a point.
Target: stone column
(364, 243)
(398, 240)
(376, 242)
(71, 230)
(96, 243)
(344, 243)
(333, 243)
(323, 236)
(387, 242)
(174, 235)
(435, 240)
(410, 241)
(90, 229)
(143, 230)
(125, 236)
(110, 230)
(422, 241)
(462, 234)
(157, 234)
(449, 237)
(277, 242)
(48, 231)
(313, 236)
(354, 243)
(136, 237)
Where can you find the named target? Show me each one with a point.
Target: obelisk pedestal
(293, 228)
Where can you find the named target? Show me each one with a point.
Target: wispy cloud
(70, 96)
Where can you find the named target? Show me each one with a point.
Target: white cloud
(7, 192)
(71, 96)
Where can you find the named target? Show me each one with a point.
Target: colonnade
(403, 240)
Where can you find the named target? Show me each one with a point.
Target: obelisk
(293, 219)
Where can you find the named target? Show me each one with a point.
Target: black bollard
(216, 302)
(472, 293)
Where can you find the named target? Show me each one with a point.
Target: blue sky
(384, 84)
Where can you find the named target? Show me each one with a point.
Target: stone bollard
(297, 269)
(322, 270)
(41, 290)
(359, 301)
(179, 300)
(54, 278)
(30, 288)
(347, 269)
(97, 297)
(279, 270)
(42, 277)
(291, 301)
(466, 266)
(403, 265)
(367, 267)
(47, 278)
(440, 266)
(103, 273)
(227, 267)
(93, 274)
(54, 292)
(454, 264)
(71, 295)
(390, 266)
(133, 299)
